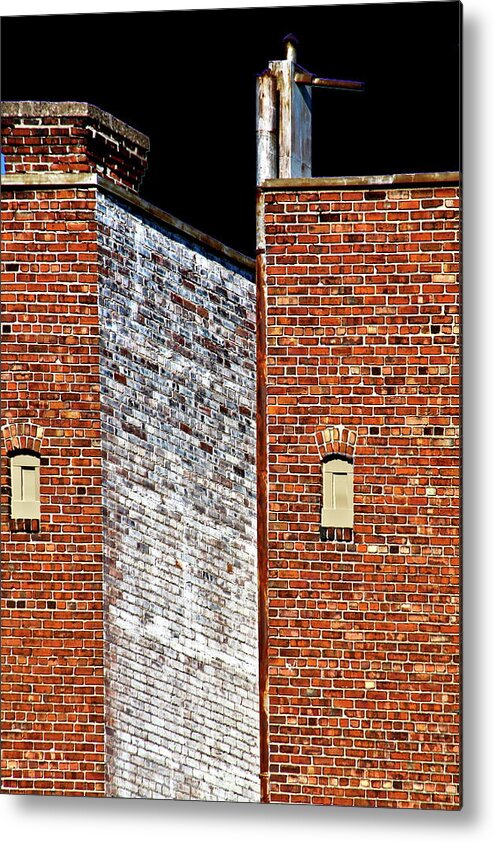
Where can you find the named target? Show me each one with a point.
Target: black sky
(187, 79)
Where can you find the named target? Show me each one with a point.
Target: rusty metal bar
(305, 78)
(346, 84)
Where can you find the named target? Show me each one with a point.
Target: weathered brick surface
(71, 137)
(52, 572)
(178, 426)
(129, 367)
(363, 648)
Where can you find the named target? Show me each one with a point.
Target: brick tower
(129, 616)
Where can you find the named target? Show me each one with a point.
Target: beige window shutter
(25, 500)
(337, 494)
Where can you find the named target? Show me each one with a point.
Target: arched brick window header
(336, 441)
(22, 436)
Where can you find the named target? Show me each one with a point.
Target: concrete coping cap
(75, 109)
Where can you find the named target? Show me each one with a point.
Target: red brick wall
(52, 640)
(362, 644)
(72, 137)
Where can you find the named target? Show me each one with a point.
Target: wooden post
(301, 130)
(284, 116)
(295, 123)
(284, 124)
(267, 128)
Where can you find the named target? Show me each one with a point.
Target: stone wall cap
(75, 109)
(362, 181)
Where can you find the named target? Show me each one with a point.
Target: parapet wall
(72, 137)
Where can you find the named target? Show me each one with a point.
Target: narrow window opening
(25, 494)
(337, 494)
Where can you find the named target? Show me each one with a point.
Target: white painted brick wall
(178, 420)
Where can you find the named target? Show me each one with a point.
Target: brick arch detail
(25, 435)
(336, 441)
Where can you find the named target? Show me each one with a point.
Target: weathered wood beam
(267, 128)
